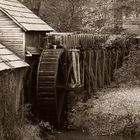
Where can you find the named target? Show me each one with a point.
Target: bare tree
(34, 5)
(62, 15)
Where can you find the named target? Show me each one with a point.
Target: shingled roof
(8, 60)
(24, 17)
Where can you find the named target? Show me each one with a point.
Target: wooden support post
(117, 57)
(96, 71)
(83, 69)
(92, 79)
(109, 66)
(89, 72)
(106, 71)
(104, 60)
(100, 82)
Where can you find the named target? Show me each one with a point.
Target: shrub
(128, 74)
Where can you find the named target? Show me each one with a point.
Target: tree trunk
(118, 18)
(36, 6)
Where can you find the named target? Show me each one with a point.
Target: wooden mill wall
(11, 98)
(34, 39)
(11, 88)
(11, 35)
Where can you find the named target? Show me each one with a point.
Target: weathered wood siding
(11, 101)
(11, 35)
(11, 86)
(34, 39)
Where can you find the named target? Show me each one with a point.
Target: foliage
(129, 73)
(31, 132)
(103, 15)
(97, 15)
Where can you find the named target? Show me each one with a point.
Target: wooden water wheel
(51, 86)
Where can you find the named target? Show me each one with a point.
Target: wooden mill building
(21, 31)
(12, 71)
(20, 28)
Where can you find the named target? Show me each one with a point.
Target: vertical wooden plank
(93, 69)
(96, 71)
(83, 68)
(117, 57)
(89, 71)
(71, 42)
(104, 60)
(106, 69)
(78, 41)
(100, 82)
(68, 42)
(109, 66)
(65, 41)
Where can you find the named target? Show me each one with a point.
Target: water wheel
(51, 86)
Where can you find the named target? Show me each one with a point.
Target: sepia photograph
(69, 69)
